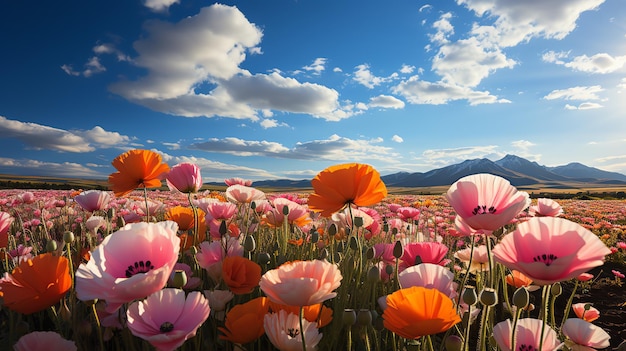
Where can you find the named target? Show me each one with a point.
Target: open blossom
(211, 254)
(584, 336)
(429, 275)
(243, 194)
(237, 180)
(545, 207)
(244, 322)
(528, 335)
(44, 340)
(283, 330)
(295, 213)
(240, 274)
(137, 169)
(184, 177)
(424, 252)
(585, 311)
(129, 264)
(5, 224)
(93, 200)
(486, 201)
(301, 283)
(550, 249)
(166, 319)
(480, 259)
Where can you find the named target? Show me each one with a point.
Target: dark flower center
(293, 332)
(483, 210)
(545, 258)
(166, 327)
(524, 347)
(139, 267)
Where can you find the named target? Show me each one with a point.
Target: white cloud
(91, 67)
(386, 101)
(97, 135)
(576, 93)
(272, 123)
(599, 63)
(583, 106)
(443, 29)
(159, 5)
(407, 69)
(417, 91)
(397, 138)
(35, 167)
(365, 77)
(522, 148)
(317, 66)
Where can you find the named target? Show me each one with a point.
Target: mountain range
(517, 170)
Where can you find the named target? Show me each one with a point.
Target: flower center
(524, 347)
(545, 258)
(166, 327)
(483, 210)
(139, 267)
(293, 332)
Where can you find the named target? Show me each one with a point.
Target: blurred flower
(243, 194)
(211, 254)
(584, 336)
(317, 313)
(296, 213)
(44, 340)
(527, 335)
(240, 274)
(137, 169)
(166, 318)
(486, 201)
(94, 223)
(93, 200)
(417, 311)
(517, 279)
(183, 216)
(429, 275)
(244, 322)
(220, 210)
(27, 197)
(423, 252)
(301, 283)
(480, 259)
(218, 299)
(283, 331)
(236, 180)
(129, 264)
(5, 224)
(550, 249)
(408, 213)
(545, 208)
(345, 184)
(618, 274)
(36, 283)
(184, 177)
(585, 311)
(583, 277)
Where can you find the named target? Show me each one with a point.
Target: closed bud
(454, 343)
(51, 246)
(358, 222)
(373, 274)
(315, 236)
(68, 237)
(223, 229)
(398, 251)
(364, 318)
(488, 297)
(469, 295)
(332, 230)
(521, 297)
(178, 279)
(370, 253)
(385, 227)
(349, 317)
(253, 205)
(249, 244)
(353, 243)
(556, 289)
(389, 269)
(418, 260)
(285, 211)
(263, 258)
(323, 254)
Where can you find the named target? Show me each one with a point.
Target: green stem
(95, 315)
(302, 329)
(544, 313)
(569, 304)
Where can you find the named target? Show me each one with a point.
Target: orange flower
(244, 322)
(417, 311)
(183, 216)
(240, 274)
(345, 184)
(36, 284)
(296, 242)
(317, 313)
(517, 279)
(137, 169)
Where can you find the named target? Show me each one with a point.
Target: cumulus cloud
(576, 93)
(583, 106)
(159, 5)
(91, 67)
(599, 63)
(397, 138)
(35, 168)
(214, 171)
(317, 67)
(417, 91)
(365, 77)
(386, 101)
(335, 148)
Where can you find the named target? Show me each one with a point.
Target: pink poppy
(586, 312)
(129, 264)
(5, 224)
(408, 213)
(585, 336)
(93, 200)
(480, 259)
(94, 223)
(296, 213)
(545, 208)
(550, 249)
(27, 197)
(425, 252)
(44, 340)
(243, 194)
(220, 210)
(301, 283)
(211, 254)
(283, 330)
(431, 276)
(527, 336)
(184, 177)
(486, 201)
(204, 203)
(237, 180)
(166, 319)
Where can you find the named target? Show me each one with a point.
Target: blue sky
(284, 88)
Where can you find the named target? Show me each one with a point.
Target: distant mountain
(578, 170)
(531, 169)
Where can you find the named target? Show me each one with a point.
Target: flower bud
(398, 250)
(249, 244)
(521, 297)
(68, 237)
(111, 212)
(253, 205)
(358, 222)
(469, 295)
(51, 246)
(373, 274)
(370, 253)
(454, 343)
(353, 243)
(488, 297)
(332, 230)
(364, 317)
(178, 279)
(349, 316)
(315, 236)
(556, 289)
(285, 210)
(389, 269)
(263, 258)
(223, 229)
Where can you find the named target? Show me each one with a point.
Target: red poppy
(137, 169)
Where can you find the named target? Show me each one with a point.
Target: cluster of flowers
(336, 269)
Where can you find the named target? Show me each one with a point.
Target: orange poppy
(36, 284)
(240, 274)
(183, 216)
(345, 184)
(137, 169)
(417, 311)
(244, 322)
(518, 279)
(317, 313)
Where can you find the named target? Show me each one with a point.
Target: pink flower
(94, 223)
(586, 312)
(296, 213)
(431, 276)
(486, 201)
(550, 249)
(236, 180)
(243, 194)
(480, 259)
(220, 210)
(5, 224)
(617, 274)
(527, 336)
(425, 252)
(408, 213)
(166, 318)
(621, 245)
(27, 197)
(44, 340)
(546, 208)
(301, 283)
(583, 277)
(211, 254)
(283, 330)
(93, 200)
(184, 177)
(585, 334)
(129, 264)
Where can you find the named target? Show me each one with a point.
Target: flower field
(346, 267)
